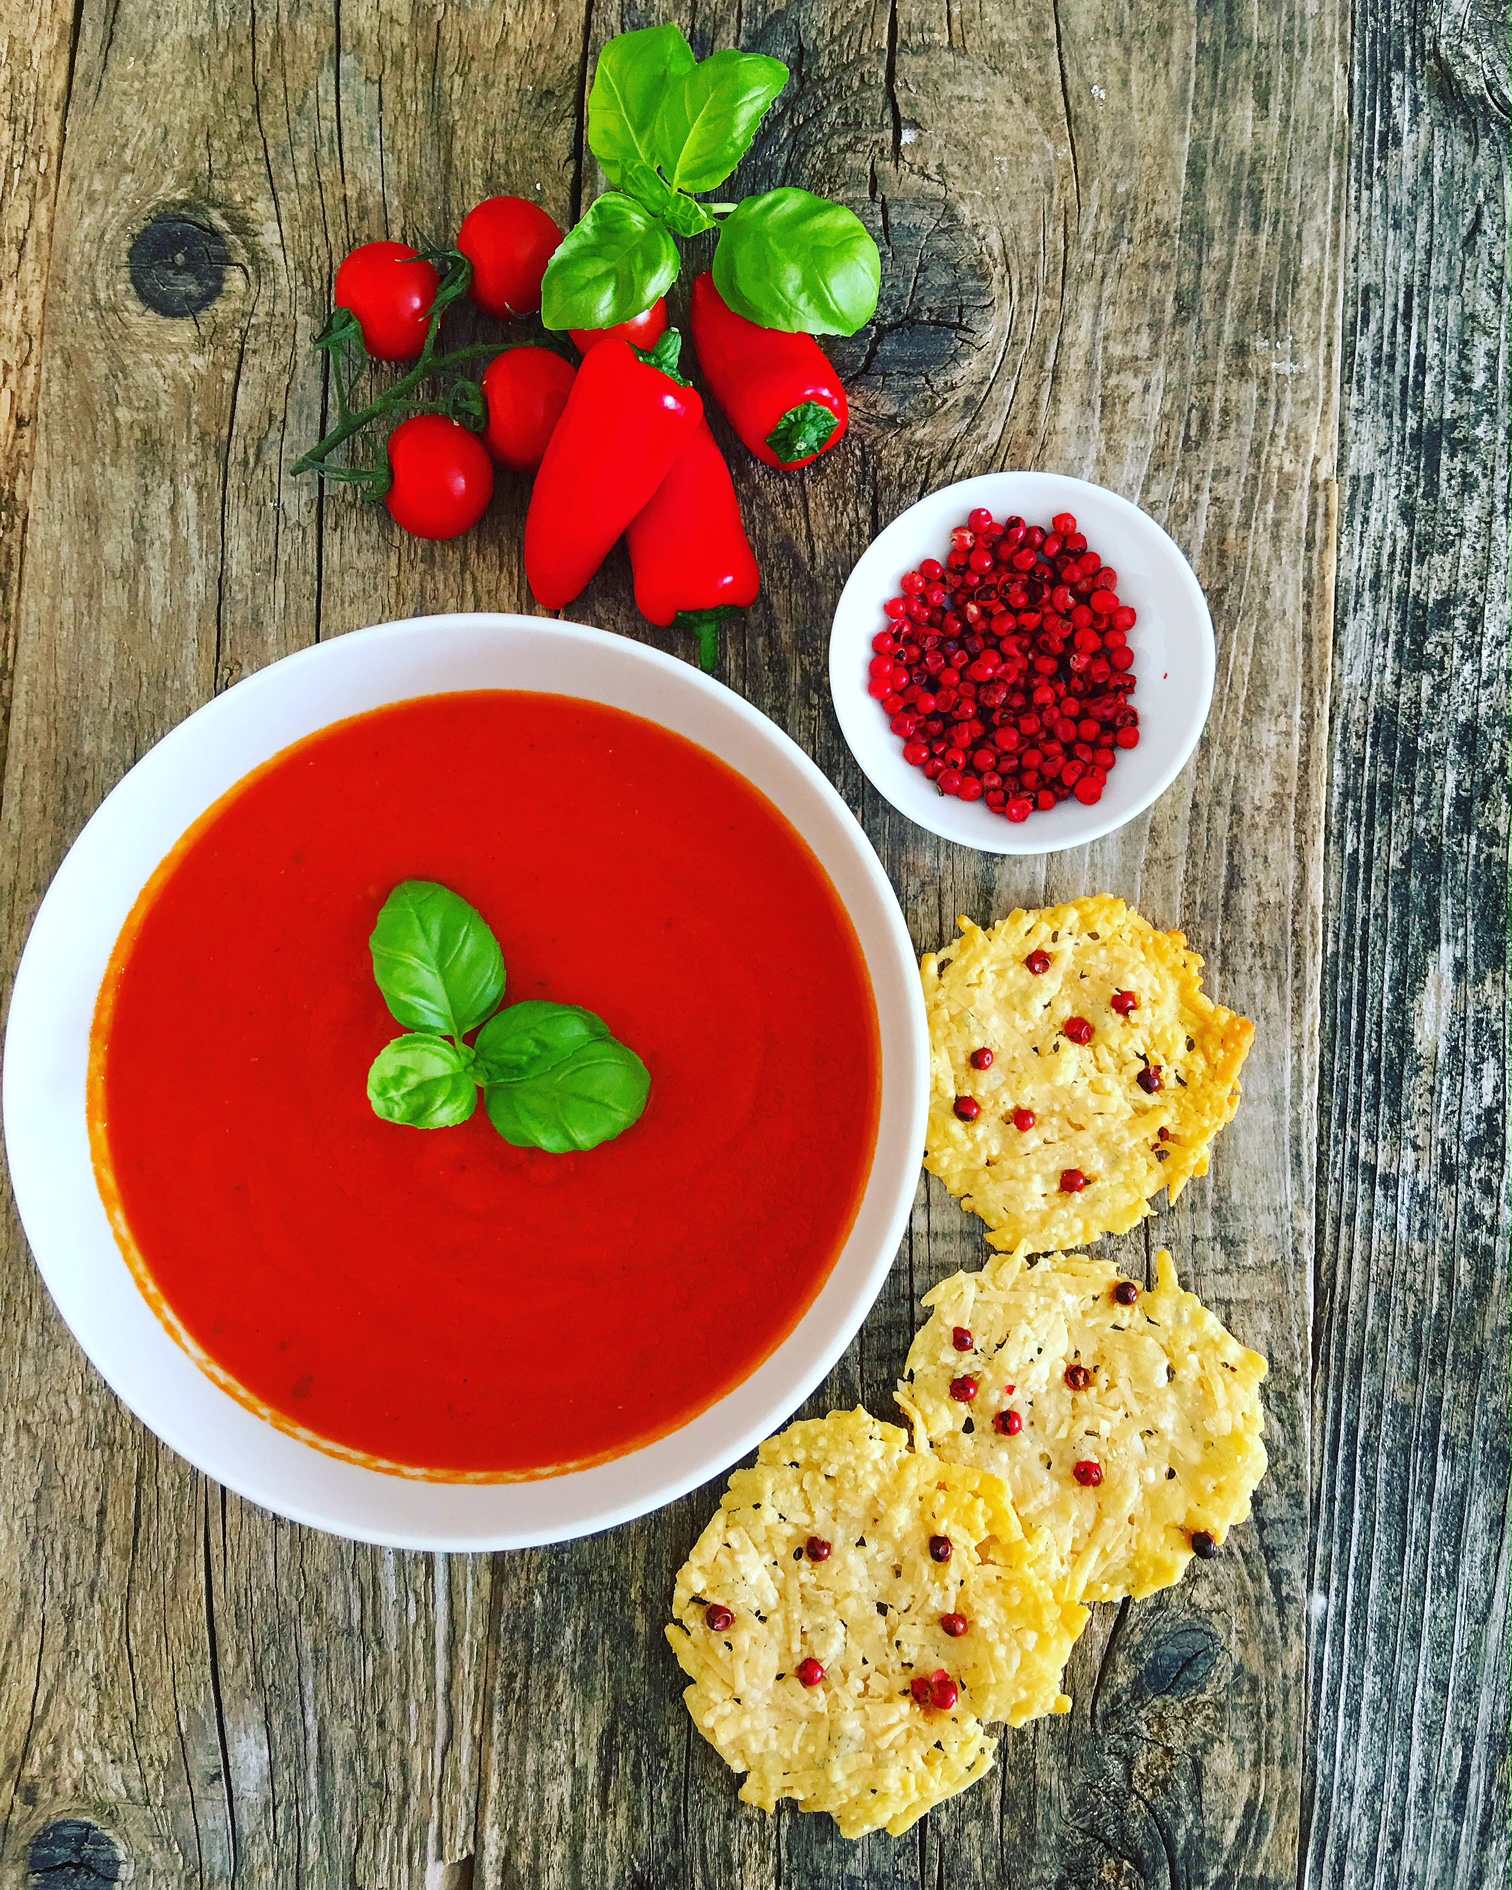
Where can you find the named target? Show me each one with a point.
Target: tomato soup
(435, 1300)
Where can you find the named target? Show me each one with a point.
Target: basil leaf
(648, 187)
(610, 267)
(531, 1036)
(437, 964)
(424, 1082)
(797, 262)
(709, 116)
(633, 74)
(556, 1079)
(687, 217)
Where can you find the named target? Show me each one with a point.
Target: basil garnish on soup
(553, 1076)
(556, 1079)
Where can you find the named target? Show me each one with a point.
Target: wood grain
(36, 46)
(1408, 1609)
(1112, 245)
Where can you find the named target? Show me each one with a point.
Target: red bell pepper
(693, 563)
(778, 391)
(627, 418)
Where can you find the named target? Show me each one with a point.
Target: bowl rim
(40, 1066)
(885, 768)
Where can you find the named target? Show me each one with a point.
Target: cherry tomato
(526, 390)
(391, 292)
(641, 331)
(508, 241)
(442, 477)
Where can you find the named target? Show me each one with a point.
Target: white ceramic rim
(46, 1055)
(1175, 718)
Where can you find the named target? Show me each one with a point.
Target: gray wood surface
(1151, 245)
(1408, 1583)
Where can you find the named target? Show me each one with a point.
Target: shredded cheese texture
(858, 1745)
(1091, 1114)
(1169, 1412)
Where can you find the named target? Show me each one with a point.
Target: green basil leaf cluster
(552, 1075)
(666, 127)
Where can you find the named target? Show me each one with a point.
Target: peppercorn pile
(1006, 670)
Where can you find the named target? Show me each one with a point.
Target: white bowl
(1172, 642)
(47, 1046)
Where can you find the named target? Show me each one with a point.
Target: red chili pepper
(693, 563)
(626, 420)
(778, 391)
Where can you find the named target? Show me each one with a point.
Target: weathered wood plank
(1160, 314)
(234, 1699)
(1110, 247)
(36, 45)
(1408, 1657)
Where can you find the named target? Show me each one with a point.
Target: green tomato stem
(455, 280)
(352, 423)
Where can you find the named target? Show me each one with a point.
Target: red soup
(436, 1299)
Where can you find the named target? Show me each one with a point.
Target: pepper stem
(664, 356)
(803, 432)
(706, 625)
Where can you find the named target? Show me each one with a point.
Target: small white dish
(47, 1052)
(1172, 640)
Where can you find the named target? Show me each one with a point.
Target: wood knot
(178, 263)
(73, 1854)
(934, 331)
(1473, 55)
(1183, 1662)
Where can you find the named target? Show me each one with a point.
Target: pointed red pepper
(777, 390)
(626, 420)
(693, 563)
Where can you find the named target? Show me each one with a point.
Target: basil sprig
(666, 127)
(552, 1075)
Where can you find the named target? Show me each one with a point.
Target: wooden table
(1244, 264)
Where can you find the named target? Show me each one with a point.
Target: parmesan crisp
(1155, 1394)
(1131, 1110)
(858, 1744)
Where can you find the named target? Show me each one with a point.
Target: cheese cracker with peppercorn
(846, 1633)
(1077, 1068)
(1126, 1423)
